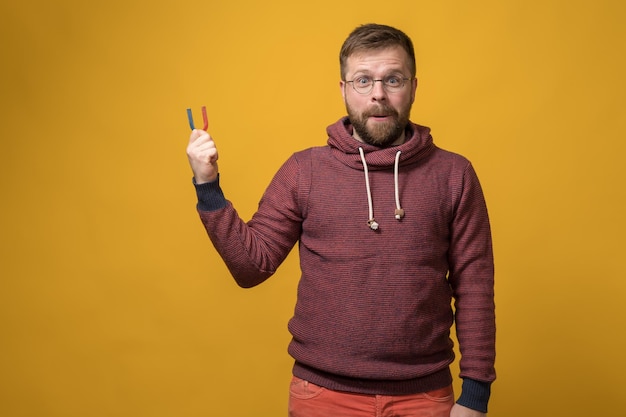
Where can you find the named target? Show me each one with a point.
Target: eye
(393, 81)
(362, 81)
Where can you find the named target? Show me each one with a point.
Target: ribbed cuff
(475, 394)
(210, 195)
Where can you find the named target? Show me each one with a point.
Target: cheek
(354, 102)
(403, 102)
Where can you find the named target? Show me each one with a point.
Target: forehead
(378, 61)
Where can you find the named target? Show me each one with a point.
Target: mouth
(381, 117)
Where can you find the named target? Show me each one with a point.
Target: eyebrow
(369, 74)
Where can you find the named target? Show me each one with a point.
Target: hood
(345, 148)
(358, 155)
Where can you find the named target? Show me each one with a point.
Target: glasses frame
(382, 81)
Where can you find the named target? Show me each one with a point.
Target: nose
(378, 91)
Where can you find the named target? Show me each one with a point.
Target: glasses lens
(393, 83)
(363, 85)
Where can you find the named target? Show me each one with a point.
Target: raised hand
(202, 155)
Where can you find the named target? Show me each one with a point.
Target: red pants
(309, 400)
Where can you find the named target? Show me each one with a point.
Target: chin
(384, 136)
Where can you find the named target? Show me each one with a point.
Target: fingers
(197, 134)
(202, 154)
(202, 147)
(206, 153)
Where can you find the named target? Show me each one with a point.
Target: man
(390, 229)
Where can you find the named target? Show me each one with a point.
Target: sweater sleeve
(253, 250)
(471, 278)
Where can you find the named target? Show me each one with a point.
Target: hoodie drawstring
(399, 212)
(371, 222)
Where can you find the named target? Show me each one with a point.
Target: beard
(381, 134)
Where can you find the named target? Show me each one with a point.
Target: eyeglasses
(391, 83)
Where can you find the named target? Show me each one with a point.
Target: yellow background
(114, 303)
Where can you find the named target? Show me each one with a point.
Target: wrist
(475, 394)
(199, 179)
(210, 195)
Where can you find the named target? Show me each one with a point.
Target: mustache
(380, 110)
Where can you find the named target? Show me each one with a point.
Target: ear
(342, 86)
(413, 89)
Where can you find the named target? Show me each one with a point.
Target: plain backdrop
(113, 301)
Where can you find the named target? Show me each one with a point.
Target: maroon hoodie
(388, 237)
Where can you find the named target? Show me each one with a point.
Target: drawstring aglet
(399, 214)
(373, 224)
